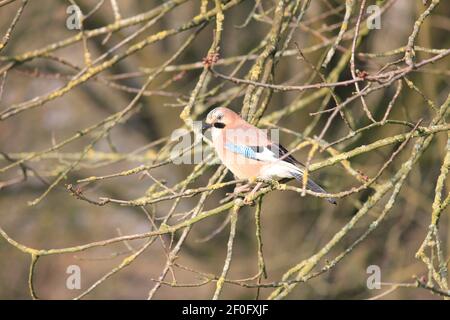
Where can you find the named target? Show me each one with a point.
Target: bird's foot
(241, 189)
(248, 200)
(236, 192)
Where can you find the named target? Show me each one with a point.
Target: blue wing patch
(246, 151)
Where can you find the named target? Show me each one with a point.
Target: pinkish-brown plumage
(248, 152)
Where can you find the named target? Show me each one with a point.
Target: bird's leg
(241, 188)
(249, 198)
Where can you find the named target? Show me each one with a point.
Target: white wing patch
(280, 169)
(266, 155)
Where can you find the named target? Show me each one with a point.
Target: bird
(250, 154)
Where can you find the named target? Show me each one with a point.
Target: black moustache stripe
(219, 125)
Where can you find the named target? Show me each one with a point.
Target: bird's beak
(205, 126)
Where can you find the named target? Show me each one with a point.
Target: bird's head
(220, 118)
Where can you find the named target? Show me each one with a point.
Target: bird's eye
(219, 117)
(219, 125)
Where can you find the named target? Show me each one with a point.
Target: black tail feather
(311, 185)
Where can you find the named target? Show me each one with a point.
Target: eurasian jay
(249, 153)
